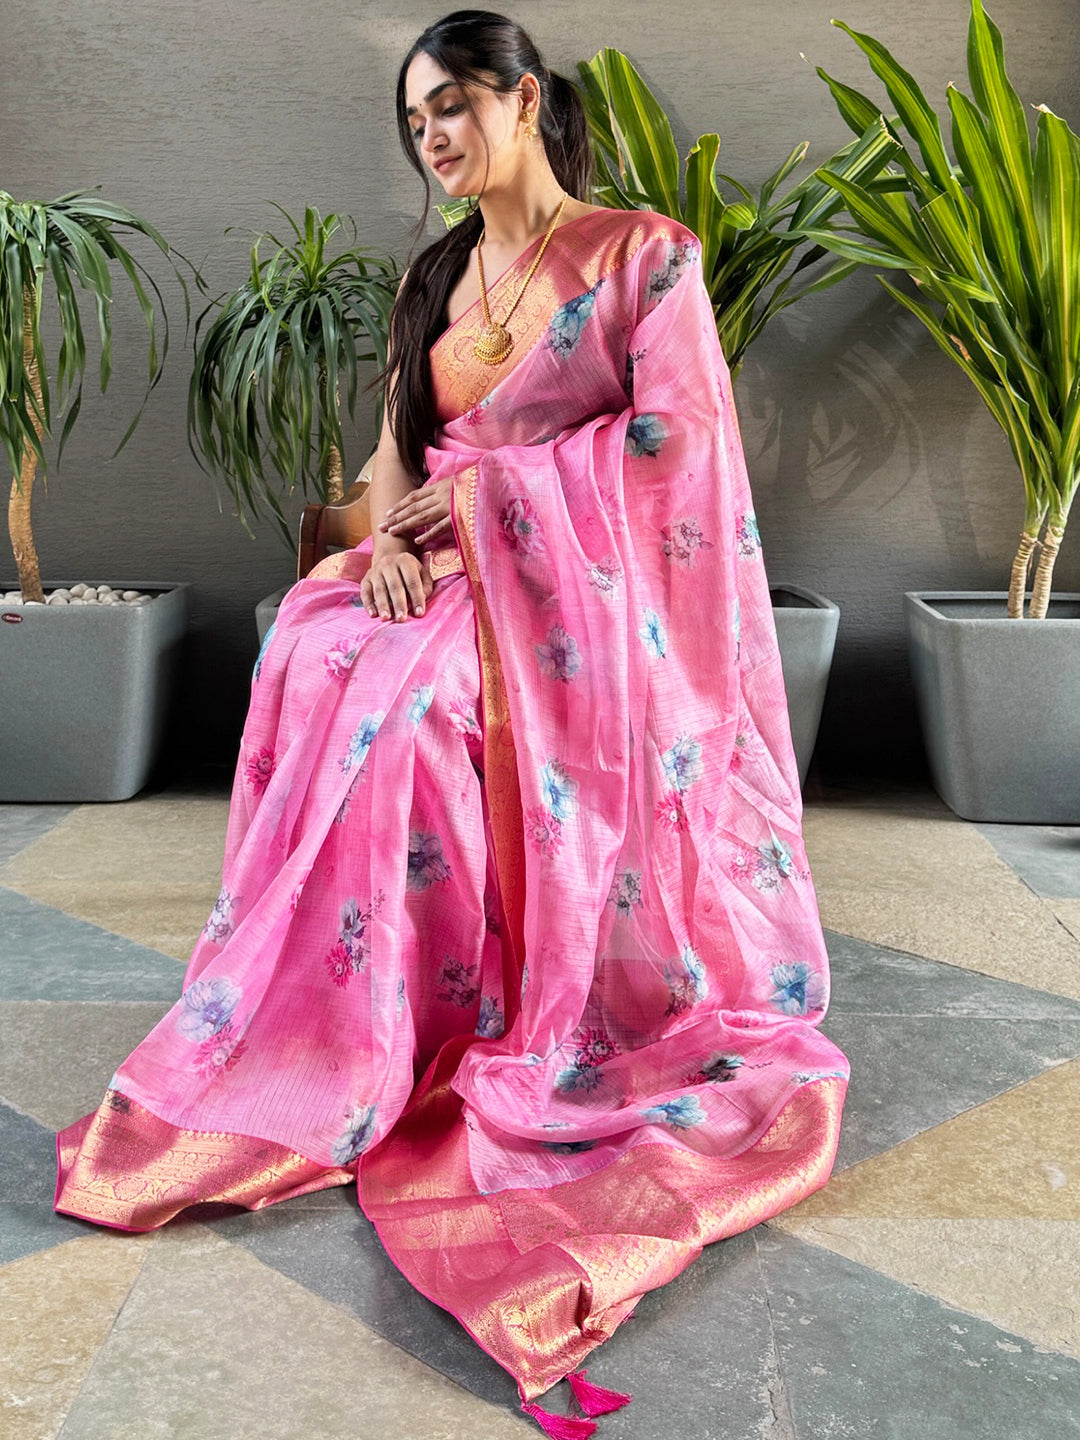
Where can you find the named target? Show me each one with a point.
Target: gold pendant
(493, 344)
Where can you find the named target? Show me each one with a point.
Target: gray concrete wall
(874, 466)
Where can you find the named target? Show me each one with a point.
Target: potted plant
(114, 645)
(991, 239)
(756, 261)
(264, 403)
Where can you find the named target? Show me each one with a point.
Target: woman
(516, 926)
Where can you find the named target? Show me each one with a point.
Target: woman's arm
(396, 581)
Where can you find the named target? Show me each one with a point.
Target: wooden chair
(335, 527)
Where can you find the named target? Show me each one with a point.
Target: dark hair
(465, 44)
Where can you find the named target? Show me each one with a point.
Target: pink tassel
(594, 1399)
(559, 1427)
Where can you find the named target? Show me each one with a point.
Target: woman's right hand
(395, 584)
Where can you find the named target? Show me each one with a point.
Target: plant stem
(19, 527)
(335, 476)
(1018, 580)
(1044, 571)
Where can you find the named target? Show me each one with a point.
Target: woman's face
(450, 141)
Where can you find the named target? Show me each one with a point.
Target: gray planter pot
(85, 694)
(806, 625)
(266, 610)
(999, 702)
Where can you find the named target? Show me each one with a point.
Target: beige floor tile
(57, 1057)
(1014, 1157)
(211, 1343)
(903, 871)
(148, 869)
(1023, 1275)
(1068, 912)
(56, 1310)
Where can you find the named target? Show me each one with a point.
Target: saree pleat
(516, 922)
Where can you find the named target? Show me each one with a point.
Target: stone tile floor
(931, 1291)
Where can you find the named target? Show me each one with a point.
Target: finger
(397, 586)
(414, 581)
(367, 596)
(409, 520)
(439, 528)
(382, 597)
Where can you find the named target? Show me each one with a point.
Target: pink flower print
(594, 1047)
(520, 526)
(743, 864)
(544, 832)
(220, 1051)
(747, 535)
(339, 962)
(669, 811)
(339, 659)
(682, 539)
(219, 926)
(460, 717)
(259, 768)
(476, 414)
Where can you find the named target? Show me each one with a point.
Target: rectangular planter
(999, 702)
(85, 694)
(806, 625)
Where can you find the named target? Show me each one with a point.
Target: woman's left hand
(426, 512)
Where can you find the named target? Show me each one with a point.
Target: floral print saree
(516, 926)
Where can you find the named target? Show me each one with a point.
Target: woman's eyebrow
(446, 84)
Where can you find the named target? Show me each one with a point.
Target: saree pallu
(517, 926)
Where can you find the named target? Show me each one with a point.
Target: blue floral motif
(644, 435)
(625, 891)
(680, 255)
(400, 1007)
(458, 982)
(686, 980)
(420, 703)
(569, 321)
(719, 1068)
(653, 633)
(747, 535)
(683, 763)
(680, 1114)
(799, 988)
(263, 649)
(357, 1135)
(426, 865)
(207, 1007)
(491, 1023)
(558, 790)
(360, 743)
(559, 656)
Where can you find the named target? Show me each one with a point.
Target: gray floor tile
(21, 825)
(27, 1182)
(711, 1325)
(871, 979)
(909, 1073)
(47, 955)
(866, 1358)
(26, 1229)
(1046, 857)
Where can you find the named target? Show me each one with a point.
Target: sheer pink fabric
(609, 960)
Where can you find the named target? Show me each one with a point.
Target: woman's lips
(441, 165)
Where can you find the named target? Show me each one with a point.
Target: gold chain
(494, 342)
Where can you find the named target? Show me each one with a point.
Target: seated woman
(516, 927)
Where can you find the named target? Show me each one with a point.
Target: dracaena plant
(991, 237)
(69, 248)
(277, 358)
(755, 254)
(755, 257)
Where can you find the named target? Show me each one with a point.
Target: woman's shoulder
(624, 232)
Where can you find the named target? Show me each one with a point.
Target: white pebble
(13, 597)
(131, 594)
(64, 593)
(104, 590)
(143, 600)
(78, 591)
(76, 600)
(57, 600)
(109, 599)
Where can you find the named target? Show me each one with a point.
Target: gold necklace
(494, 342)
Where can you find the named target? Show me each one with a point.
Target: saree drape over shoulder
(517, 926)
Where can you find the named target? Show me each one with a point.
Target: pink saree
(516, 926)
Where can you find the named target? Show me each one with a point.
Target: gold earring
(530, 126)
